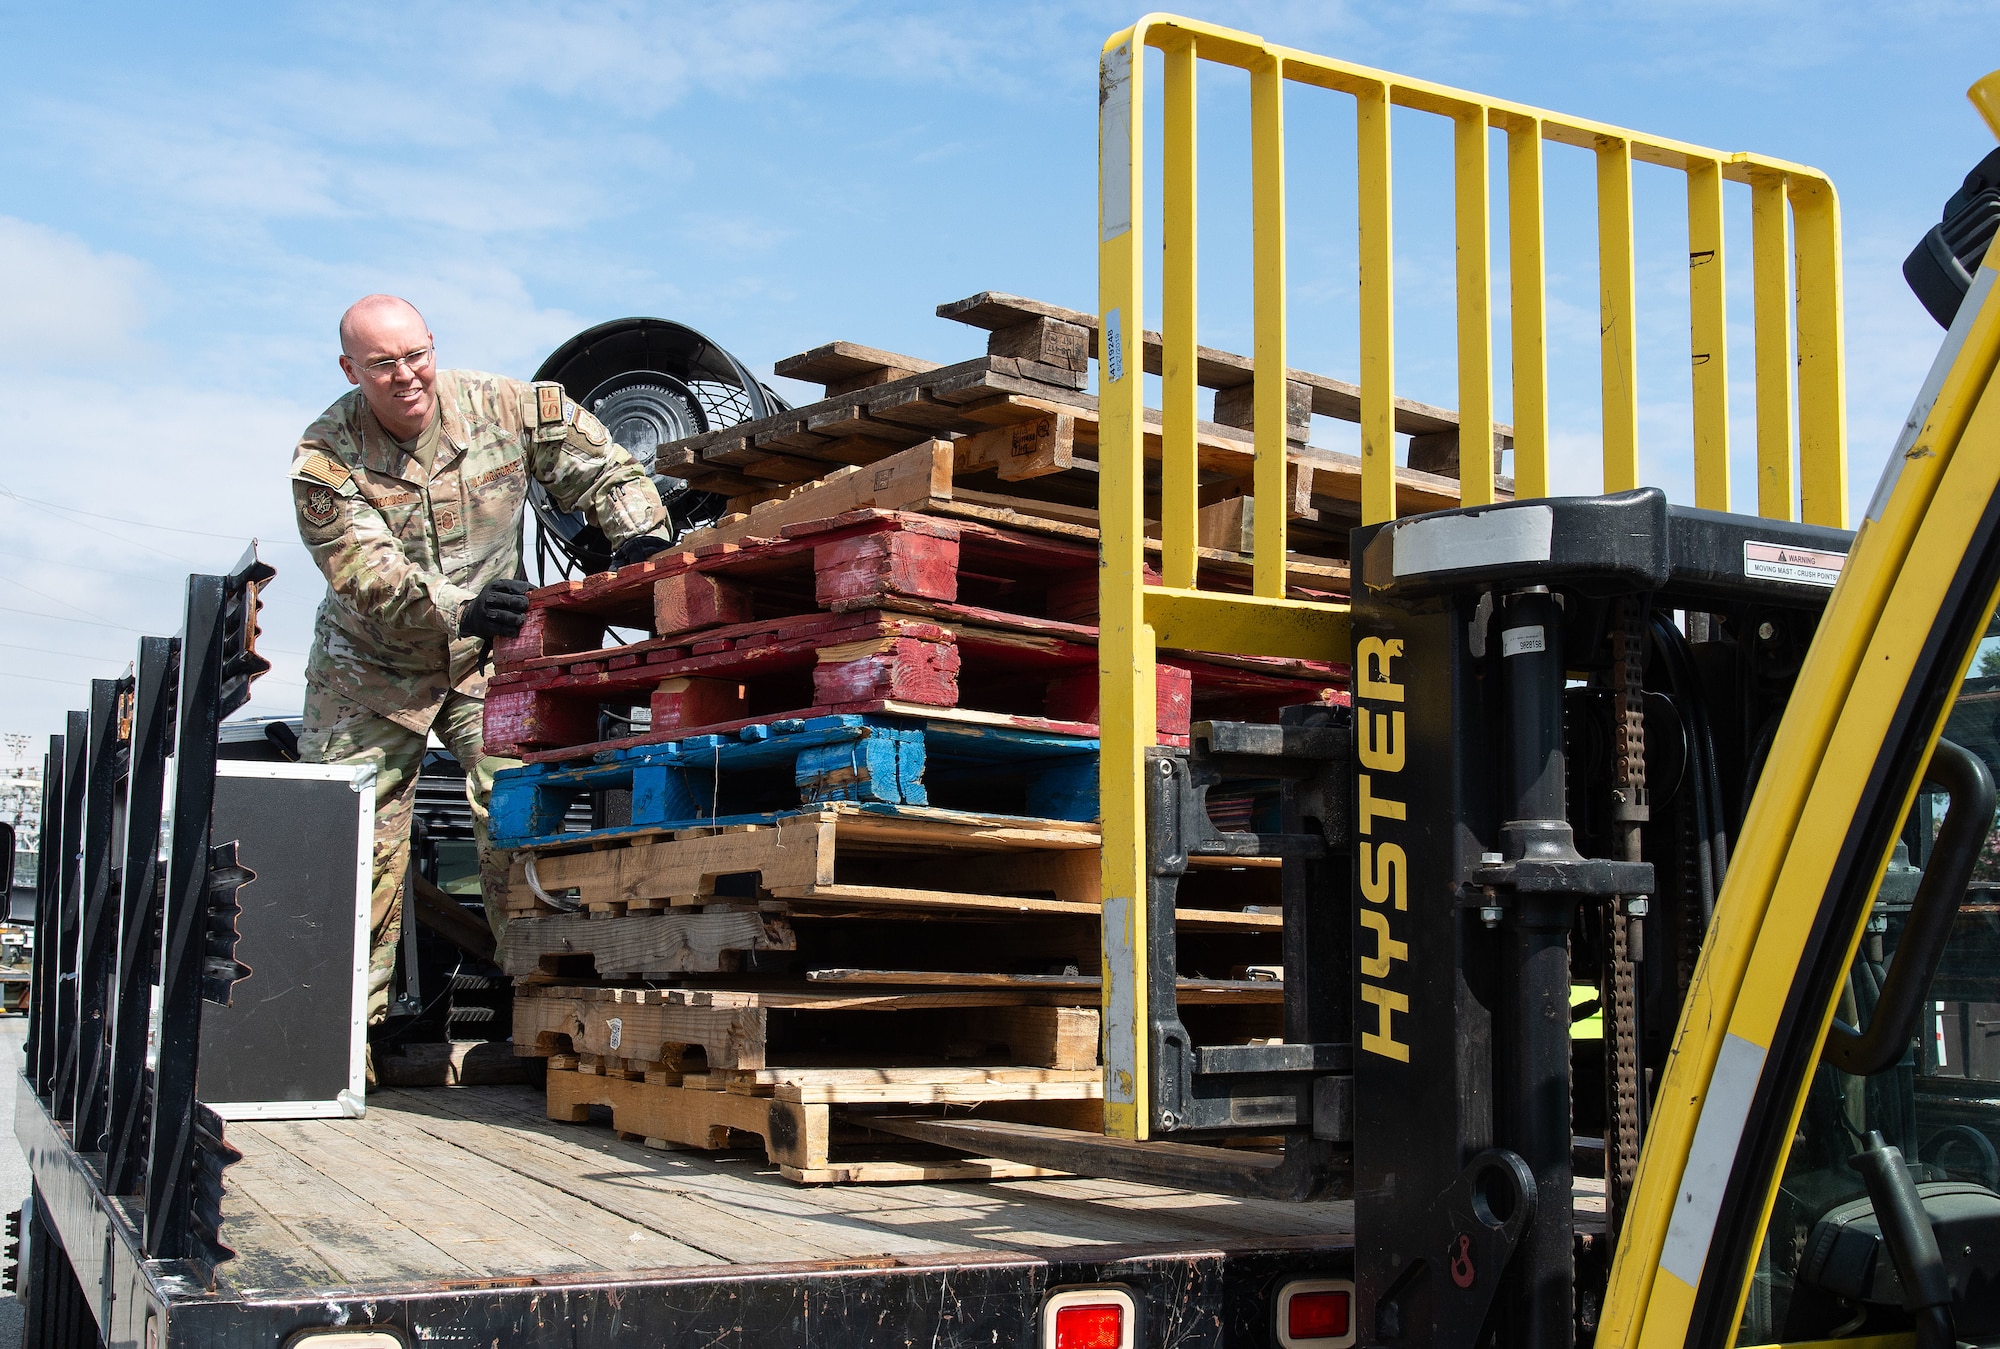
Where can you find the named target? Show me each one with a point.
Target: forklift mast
(1559, 708)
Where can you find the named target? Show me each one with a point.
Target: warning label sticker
(1800, 566)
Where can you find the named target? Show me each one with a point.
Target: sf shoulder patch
(321, 468)
(549, 403)
(319, 512)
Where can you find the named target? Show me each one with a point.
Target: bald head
(385, 347)
(370, 314)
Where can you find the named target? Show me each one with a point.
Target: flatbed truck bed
(464, 1215)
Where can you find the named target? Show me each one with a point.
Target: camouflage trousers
(338, 731)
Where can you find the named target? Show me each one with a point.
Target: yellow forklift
(1734, 770)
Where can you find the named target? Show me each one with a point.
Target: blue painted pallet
(778, 766)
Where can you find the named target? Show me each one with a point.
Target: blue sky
(194, 192)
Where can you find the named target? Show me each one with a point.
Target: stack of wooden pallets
(851, 863)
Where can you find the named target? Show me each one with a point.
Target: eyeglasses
(413, 361)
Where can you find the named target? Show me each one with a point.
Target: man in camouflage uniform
(410, 491)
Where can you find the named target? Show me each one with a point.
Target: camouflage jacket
(405, 550)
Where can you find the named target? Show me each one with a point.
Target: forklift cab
(1732, 772)
(1827, 1267)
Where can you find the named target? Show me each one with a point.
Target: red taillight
(1090, 1325)
(1317, 1316)
(1101, 1317)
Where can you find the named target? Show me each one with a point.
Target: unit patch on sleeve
(319, 508)
(549, 403)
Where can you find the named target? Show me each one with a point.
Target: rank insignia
(320, 506)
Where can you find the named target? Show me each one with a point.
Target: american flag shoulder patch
(320, 468)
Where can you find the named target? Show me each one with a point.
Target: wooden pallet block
(796, 1137)
(737, 1029)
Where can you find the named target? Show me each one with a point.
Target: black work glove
(637, 549)
(497, 611)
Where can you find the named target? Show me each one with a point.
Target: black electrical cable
(1712, 836)
(1758, 754)
(1688, 697)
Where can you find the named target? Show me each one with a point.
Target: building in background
(21, 805)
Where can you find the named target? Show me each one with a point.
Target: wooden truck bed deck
(467, 1186)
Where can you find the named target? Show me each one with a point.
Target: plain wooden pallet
(757, 460)
(700, 902)
(799, 1135)
(934, 478)
(1017, 324)
(738, 1029)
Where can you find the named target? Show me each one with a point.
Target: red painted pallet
(864, 559)
(1029, 673)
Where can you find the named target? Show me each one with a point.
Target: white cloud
(61, 300)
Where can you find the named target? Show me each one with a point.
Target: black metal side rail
(134, 895)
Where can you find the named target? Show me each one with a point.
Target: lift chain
(1628, 653)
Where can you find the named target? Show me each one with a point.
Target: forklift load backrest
(1137, 618)
(1742, 1225)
